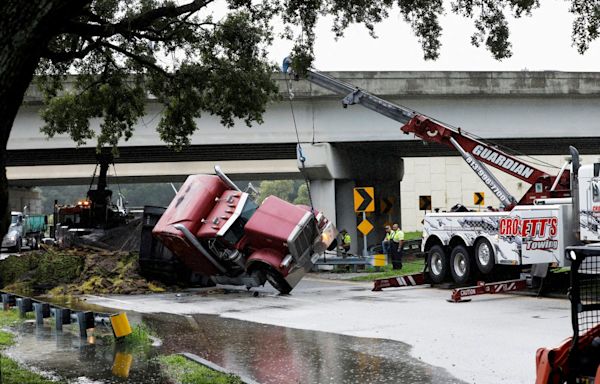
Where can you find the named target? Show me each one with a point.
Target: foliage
(183, 371)
(195, 63)
(280, 188)
(140, 338)
(408, 268)
(39, 270)
(74, 271)
(302, 197)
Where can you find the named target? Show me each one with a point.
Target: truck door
(590, 210)
(541, 231)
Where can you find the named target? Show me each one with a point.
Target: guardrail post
(85, 320)
(42, 311)
(7, 300)
(62, 316)
(24, 306)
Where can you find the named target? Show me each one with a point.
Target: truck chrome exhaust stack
(192, 239)
(575, 189)
(226, 179)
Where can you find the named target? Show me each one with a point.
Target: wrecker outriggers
(532, 231)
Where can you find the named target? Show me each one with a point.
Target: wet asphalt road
(491, 340)
(324, 332)
(268, 354)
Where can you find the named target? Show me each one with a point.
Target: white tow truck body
(531, 234)
(526, 235)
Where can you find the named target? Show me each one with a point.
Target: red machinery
(577, 359)
(216, 230)
(474, 151)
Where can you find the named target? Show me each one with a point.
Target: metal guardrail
(85, 320)
(410, 247)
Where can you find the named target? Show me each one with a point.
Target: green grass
(413, 235)
(140, 336)
(408, 268)
(183, 371)
(13, 373)
(6, 339)
(10, 371)
(8, 318)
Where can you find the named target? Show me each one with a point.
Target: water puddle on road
(265, 353)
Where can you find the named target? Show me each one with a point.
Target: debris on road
(75, 271)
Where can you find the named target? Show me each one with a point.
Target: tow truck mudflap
(482, 288)
(400, 281)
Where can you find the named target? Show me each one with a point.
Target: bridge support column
(20, 197)
(334, 173)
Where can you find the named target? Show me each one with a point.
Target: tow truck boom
(473, 151)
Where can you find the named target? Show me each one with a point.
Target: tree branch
(144, 62)
(58, 57)
(137, 22)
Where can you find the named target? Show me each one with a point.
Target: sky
(539, 42)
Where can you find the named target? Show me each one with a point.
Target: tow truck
(217, 231)
(532, 231)
(556, 223)
(96, 212)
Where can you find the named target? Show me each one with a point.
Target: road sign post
(364, 201)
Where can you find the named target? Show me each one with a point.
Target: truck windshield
(14, 219)
(236, 231)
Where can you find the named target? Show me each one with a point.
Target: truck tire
(484, 256)
(438, 264)
(461, 265)
(17, 247)
(275, 278)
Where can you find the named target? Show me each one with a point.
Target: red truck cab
(217, 230)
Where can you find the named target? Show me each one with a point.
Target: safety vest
(388, 235)
(347, 239)
(397, 236)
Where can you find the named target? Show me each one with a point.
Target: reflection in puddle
(271, 354)
(265, 353)
(68, 356)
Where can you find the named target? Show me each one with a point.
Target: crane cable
(299, 152)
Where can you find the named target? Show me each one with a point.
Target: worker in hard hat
(396, 246)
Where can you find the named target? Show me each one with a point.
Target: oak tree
(122, 52)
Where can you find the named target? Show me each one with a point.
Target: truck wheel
(276, 279)
(460, 265)
(438, 264)
(484, 256)
(17, 247)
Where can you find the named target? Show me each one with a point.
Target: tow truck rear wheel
(484, 256)
(438, 264)
(460, 265)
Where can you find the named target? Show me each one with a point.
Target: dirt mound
(75, 271)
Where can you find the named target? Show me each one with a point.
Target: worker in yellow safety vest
(385, 244)
(346, 240)
(396, 244)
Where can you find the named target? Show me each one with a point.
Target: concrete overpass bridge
(536, 113)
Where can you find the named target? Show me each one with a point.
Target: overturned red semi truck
(216, 230)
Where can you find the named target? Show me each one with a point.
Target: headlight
(328, 234)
